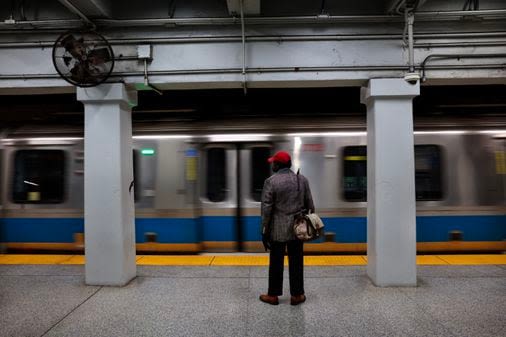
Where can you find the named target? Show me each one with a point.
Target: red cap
(280, 157)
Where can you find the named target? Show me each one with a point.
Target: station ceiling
(225, 104)
(119, 9)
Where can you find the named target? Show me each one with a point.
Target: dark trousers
(295, 267)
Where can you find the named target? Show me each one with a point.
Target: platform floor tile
(75, 259)
(32, 305)
(33, 259)
(254, 260)
(449, 301)
(465, 306)
(242, 260)
(461, 271)
(162, 307)
(41, 270)
(334, 260)
(194, 271)
(174, 260)
(474, 259)
(341, 307)
(429, 260)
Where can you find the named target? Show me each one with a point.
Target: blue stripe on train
(222, 228)
(428, 228)
(168, 230)
(473, 227)
(40, 230)
(218, 228)
(346, 229)
(171, 230)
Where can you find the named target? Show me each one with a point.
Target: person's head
(280, 160)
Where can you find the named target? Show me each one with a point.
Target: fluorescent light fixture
(328, 134)
(42, 139)
(162, 137)
(30, 183)
(492, 132)
(238, 137)
(441, 132)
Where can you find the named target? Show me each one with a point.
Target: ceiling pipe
(110, 23)
(243, 40)
(423, 66)
(410, 20)
(237, 71)
(220, 39)
(76, 11)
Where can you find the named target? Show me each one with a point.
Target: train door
(254, 169)
(230, 194)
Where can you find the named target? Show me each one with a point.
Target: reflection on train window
(428, 184)
(428, 172)
(260, 170)
(38, 176)
(355, 173)
(216, 174)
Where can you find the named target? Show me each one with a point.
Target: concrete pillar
(109, 212)
(391, 209)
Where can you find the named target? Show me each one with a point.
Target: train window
(427, 173)
(355, 173)
(38, 176)
(216, 174)
(260, 170)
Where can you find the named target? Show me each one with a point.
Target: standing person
(283, 196)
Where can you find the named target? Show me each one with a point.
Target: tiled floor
(52, 300)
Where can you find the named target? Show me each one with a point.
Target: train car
(200, 190)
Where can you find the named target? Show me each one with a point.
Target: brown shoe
(269, 299)
(294, 300)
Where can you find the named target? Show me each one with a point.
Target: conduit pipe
(410, 19)
(457, 56)
(279, 39)
(243, 40)
(223, 71)
(420, 16)
(146, 79)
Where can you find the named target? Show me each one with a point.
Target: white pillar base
(109, 212)
(391, 204)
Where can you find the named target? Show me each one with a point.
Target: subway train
(198, 189)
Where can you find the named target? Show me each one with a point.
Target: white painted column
(109, 214)
(391, 208)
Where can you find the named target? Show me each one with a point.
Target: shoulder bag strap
(298, 192)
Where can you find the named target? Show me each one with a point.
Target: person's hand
(266, 242)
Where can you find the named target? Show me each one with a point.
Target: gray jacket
(281, 201)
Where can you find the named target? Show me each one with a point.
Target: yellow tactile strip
(253, 260)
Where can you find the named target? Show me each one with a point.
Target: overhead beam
(396, 6)
(392, 6)
(250, 7)
(90, 8)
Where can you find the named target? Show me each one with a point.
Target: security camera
(412, 78)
